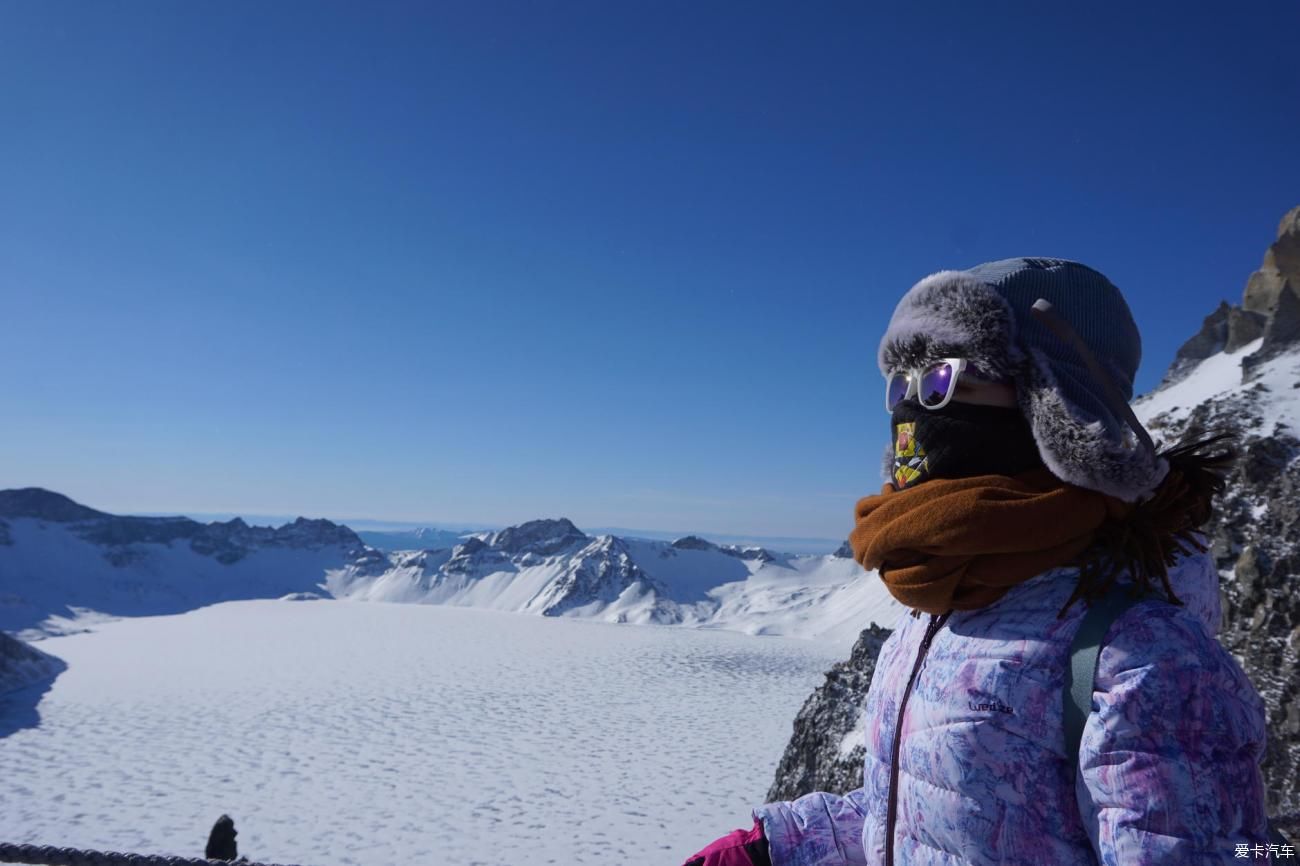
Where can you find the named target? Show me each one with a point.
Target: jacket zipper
(936, 623)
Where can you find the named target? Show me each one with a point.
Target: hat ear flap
(1101, 454)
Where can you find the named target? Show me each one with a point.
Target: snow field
(337, 732)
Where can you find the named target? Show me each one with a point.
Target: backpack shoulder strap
(1082, 670)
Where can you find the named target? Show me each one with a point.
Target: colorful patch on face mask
(910, 461)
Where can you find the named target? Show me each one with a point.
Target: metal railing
(48, 855)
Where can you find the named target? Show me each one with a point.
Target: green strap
(1079, 676)
(1082, 672)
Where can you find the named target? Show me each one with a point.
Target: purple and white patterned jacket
(1169, 760)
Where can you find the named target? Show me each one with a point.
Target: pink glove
(738, 848)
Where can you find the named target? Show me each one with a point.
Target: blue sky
(622, 262)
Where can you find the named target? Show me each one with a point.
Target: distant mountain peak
(120, 535)
(42, 504)
(750, 552)
(542, 537)
(694, 542)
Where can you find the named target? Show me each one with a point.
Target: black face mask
(961, 440)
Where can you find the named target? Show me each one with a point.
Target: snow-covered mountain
(1240, 375)
(62, 564)
(552, 568)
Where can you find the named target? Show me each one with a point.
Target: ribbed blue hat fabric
(1091, 304)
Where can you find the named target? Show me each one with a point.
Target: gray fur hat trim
(983, 315)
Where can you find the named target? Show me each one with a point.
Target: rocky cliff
(1240, 375)
(23, 665)
(1256, 528)
(815, 759)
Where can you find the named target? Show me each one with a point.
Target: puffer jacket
(1168, 765)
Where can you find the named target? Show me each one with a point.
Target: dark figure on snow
(221, 841)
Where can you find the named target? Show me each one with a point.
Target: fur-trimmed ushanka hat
(985, 315)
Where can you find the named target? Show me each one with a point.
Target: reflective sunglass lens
(935, 384)
(896, 389)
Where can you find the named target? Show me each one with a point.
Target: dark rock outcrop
(1208, 341)
(22, 664)
(822, 756)
(1227, 329)
(1282, 330)
(694, 542)
(1244, 327)
(1281, 266)
(1274, 293)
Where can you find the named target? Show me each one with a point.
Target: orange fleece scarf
(961, 544)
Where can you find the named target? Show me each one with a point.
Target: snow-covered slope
(338, 734)
(63, 565)
(1268, 396)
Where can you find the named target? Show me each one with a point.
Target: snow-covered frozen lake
(363, 733)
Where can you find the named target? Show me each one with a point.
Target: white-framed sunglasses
(933, 385)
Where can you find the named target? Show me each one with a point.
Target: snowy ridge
(552, 569)
(1272, 389)
(64, 567)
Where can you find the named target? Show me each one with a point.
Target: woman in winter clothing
(1021, 490)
